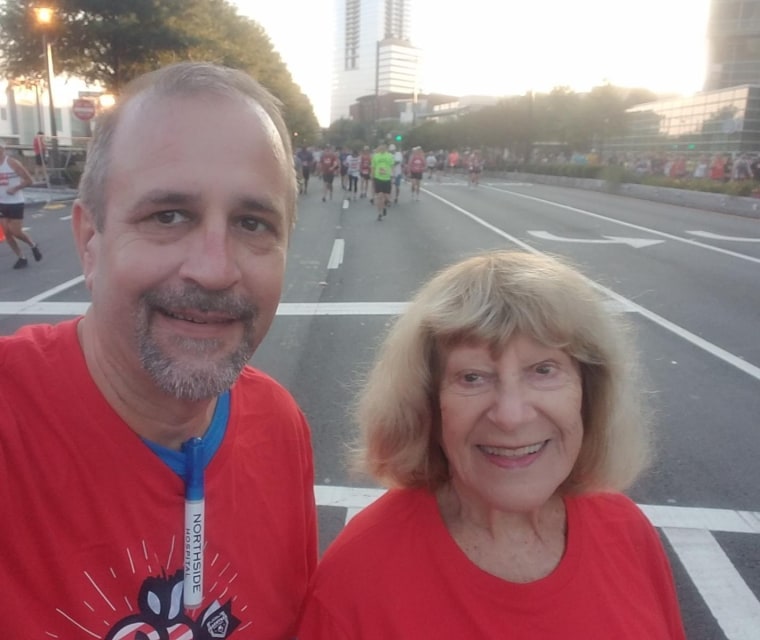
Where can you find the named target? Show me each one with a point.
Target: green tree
(567, 120)
(109, 42)
(105, 42)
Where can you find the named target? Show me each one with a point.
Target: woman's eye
(472, 383)
(544, 368)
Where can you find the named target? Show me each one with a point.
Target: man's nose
(211, 260)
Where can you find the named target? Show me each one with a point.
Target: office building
(373, 52)
(721, 121)
(734, 44)
(725, 117)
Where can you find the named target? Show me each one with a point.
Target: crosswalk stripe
(728, 597)
(35, 307)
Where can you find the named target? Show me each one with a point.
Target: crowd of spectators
(723, 167)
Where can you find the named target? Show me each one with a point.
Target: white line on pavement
(34, 307)
(715, 236)
(724, 520)
(728, 597)
(694, 339)
(51, 292)
(336, 256)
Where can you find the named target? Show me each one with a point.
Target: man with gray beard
(155, 484)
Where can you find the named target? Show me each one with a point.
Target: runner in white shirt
(13, 178)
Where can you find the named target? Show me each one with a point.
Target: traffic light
(399, 137)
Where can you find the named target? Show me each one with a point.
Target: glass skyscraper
(734, 44)
(373, 52)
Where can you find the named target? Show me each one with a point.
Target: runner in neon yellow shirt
(382, 172)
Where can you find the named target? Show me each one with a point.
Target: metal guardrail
(63, 159)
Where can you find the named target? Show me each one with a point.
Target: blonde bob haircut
(487, 299)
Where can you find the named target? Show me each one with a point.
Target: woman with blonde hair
(504, 413)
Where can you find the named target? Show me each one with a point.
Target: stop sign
(84, 109)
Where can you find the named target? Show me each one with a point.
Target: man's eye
(255, 225)
(170, 217)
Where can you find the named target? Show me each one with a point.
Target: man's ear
(86, 238)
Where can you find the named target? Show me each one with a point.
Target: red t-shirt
(92, 532)
(395, 572)
(329, 162)
(417, 164)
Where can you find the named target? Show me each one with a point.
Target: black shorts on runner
(328, 177)
(13, 211)
(38, 160)
(382, 186)
(416, 175)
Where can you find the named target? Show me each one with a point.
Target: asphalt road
(689, 281)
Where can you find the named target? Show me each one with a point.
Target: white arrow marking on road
(715, 236)
(636, 243)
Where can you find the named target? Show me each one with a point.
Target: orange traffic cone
(2, 233)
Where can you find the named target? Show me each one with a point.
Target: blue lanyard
(212, 439)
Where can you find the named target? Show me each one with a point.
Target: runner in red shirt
(329, 164)
(474, 167)
(416, 170)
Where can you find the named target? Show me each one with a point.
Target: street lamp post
(45, 20)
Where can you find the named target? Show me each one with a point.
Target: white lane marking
(663, 234)
(43, 308)
(715, 236)
(724, 520)
(618, 302)
(728, 597)
(350, 497)
(661, 516)
(345, 203)
(709, 347)
(636, 243)
(724, 591)
(51, 292)
(694, 339)
(336, 256)
(29, 308)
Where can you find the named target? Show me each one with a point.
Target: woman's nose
(512, 405)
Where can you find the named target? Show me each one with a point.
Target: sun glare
(482, 47)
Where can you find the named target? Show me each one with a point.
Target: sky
(508, 47)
